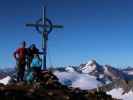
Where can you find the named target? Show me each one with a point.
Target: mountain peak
(90, 66)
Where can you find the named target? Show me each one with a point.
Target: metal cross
(44, 26)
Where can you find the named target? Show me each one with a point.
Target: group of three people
(27, 58)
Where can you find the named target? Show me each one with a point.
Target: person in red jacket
(20, 57)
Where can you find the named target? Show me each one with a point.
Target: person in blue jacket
(35, 69)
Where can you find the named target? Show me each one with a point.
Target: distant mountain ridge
(104, 76)
(7, 72)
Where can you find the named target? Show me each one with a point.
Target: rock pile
(48, 88)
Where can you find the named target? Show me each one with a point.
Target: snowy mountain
(128, 70)
(89, 76)
(92, 76)
(102, 71)
(7, 72)
(104, 74)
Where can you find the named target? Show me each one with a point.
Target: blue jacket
(36, 62)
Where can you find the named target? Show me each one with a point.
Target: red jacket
(20, 54)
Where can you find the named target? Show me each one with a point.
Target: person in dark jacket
(20, 57)
(31, 51)
(35, 69)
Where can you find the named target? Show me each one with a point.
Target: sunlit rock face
(113, 73)
(91, 66)
(103, 73)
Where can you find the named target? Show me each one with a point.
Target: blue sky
(99, 29)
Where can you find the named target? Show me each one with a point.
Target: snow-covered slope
(118, 93)
(5, 80)
(77, 80)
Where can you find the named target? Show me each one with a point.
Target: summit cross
(44, 26)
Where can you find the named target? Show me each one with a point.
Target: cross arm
(36, 25)
(58, 26)
(40, 25)
(31, 25)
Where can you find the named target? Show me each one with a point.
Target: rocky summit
(48, 88)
